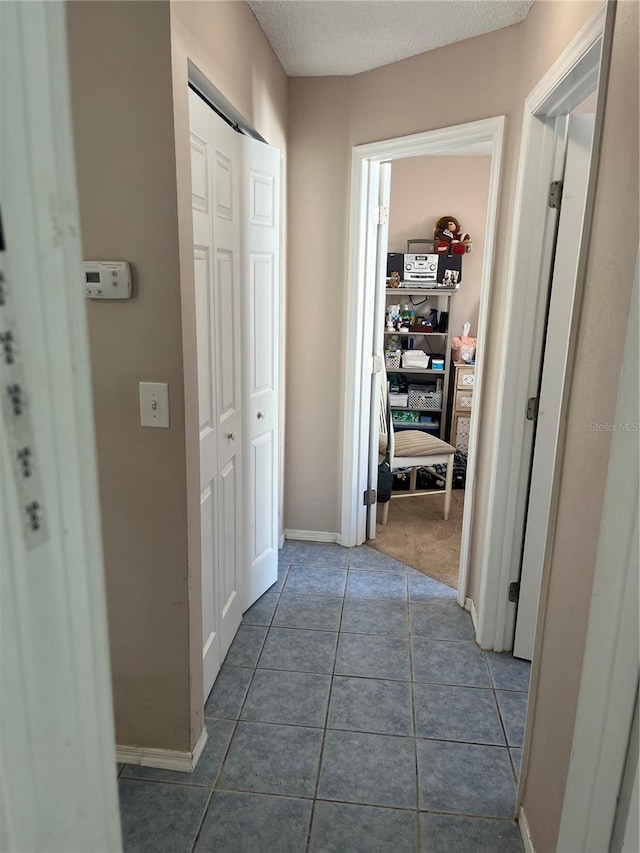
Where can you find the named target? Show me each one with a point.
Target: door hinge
(380, 215)
(532, 409)
(555, 194)
(514, 591)
(370, 497)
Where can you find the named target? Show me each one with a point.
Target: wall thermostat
(107, 279)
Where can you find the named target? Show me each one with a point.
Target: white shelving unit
(439, 298)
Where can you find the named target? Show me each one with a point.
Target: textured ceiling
(317, 38)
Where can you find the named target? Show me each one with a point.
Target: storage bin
(424, 398)
(405, 417)
(429, 429)
(466, 376)
(392, 360)
(464, 399)
(398, 400)
(432, 428)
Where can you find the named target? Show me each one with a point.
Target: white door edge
(58, 787)
(260, 181)
(551, 378)
(380, 234)
(609, 681)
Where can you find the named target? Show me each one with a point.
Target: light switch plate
(154, 404)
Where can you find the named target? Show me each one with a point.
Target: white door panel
(381, 242)
(215, 164)
(261, 292)
(210, 635)
(236, 219)
(552, 384)
(262, 474)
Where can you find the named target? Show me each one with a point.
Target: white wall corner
(311, 535)
(525, 834)
(165, 759)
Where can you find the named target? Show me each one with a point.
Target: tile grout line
(202, 819)
(326, 717)
(504, 731)
(415, 722)
(244, 699)
(324, 731)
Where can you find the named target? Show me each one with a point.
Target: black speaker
(395, 263)
(453, 263)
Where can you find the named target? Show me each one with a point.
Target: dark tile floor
(354, 712)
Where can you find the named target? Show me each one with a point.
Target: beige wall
(487, 76)
(133, 174)
(592, 399)
(425, 188)
(318, 220)
(123, 129)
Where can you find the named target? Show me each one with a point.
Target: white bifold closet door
(235, 201)
(260, 242)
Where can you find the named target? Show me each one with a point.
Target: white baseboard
(311, 535)
(166, 759)
(282, 538)
(523, 825)
(469, 605)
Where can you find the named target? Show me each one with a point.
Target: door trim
(609, 683)
(478, 137)
(56, 719)
(563, 88)
(549, 369)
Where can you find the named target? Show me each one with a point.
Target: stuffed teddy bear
(448, 237)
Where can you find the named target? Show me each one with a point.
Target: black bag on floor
(459, 473)
(385, 482)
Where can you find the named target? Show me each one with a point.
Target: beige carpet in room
(417, 535)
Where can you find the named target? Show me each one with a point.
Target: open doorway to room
(371, 198)
(516, 341)
(431, 313)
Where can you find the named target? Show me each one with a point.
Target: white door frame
(381, 189)
(472, 138)
(572, 77)
(550, 367)
(58, 787)
(609, 683)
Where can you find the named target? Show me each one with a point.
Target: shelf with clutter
(461, 387)
(418, 291)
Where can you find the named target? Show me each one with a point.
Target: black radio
(430, 270)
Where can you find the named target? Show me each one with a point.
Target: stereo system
(421, 267)
(430, 270)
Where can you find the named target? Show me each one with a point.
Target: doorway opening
(516, 346)
(371, 181)
(429, 358)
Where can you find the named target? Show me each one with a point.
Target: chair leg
(448, 488)
(413, 479)
(385, 512)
